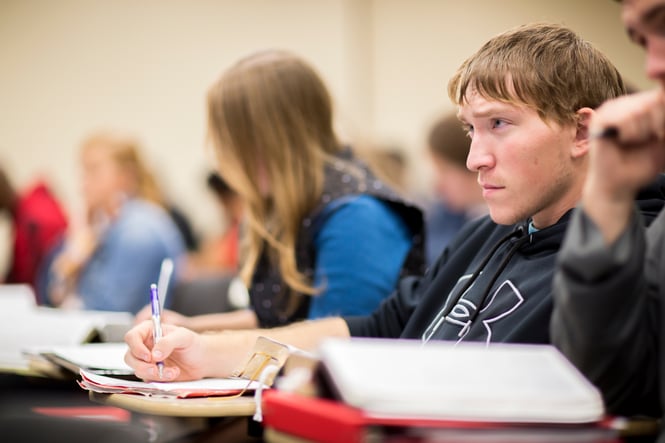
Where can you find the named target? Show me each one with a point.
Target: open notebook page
(101, 358)
(206, 387)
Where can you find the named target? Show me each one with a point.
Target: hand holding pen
(178, 353)
(626, 151)
(631, 121)
(156, 322)
(628, 142)
(185, 354)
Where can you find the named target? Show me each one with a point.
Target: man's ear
(581, 145)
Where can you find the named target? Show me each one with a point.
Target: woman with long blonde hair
(324, 235)
(111, 256)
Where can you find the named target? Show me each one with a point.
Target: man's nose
(655, 61)
(479, 156)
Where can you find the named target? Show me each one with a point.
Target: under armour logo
(503, 302)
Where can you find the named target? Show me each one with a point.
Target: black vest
(269, 296)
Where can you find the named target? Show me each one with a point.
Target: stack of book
(400, 390)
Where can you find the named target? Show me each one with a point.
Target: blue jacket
(128, 258)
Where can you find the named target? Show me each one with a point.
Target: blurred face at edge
(644, 21)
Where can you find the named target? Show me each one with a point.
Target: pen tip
(611, 132)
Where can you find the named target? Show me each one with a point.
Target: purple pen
(156, 321)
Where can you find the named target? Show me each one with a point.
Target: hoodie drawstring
(520, 231)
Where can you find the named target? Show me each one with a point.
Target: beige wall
(70, 66)
(419, 44)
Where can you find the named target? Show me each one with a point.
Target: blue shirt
(360, 250)
(441, 226)
(118, 275)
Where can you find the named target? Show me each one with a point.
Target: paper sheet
(94, 356)
(206, 387)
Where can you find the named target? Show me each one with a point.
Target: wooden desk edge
(271, 435)
(181, 407)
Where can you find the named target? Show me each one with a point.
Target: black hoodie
(505, 270)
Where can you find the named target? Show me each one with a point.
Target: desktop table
(181, 407)
(206, 419)
(43, 409)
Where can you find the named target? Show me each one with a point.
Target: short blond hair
(545, 66)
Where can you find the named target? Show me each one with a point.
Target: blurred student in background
(459, 197)
(228, 245)
(389, 164)
(220, 254)
(38, 223)
(324, 235)
(184, 225)
(110, 258)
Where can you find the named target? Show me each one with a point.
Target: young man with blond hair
(525, 98)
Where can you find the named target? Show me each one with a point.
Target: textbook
(24, 326)
(289, 416)
(502, 383)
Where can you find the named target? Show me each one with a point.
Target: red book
(330, 421)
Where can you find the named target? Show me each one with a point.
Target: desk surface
(182, 407)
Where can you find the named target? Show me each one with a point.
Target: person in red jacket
(38, 223)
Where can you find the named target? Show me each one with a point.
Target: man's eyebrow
(490, 110)
(652, 16)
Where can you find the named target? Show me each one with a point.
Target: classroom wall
(418, 46)
(71, 66)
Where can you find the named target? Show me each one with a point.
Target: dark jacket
(346, 178)
(504, 270)
(609, 310)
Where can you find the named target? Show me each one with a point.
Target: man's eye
(639, 40)
(655, 23)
